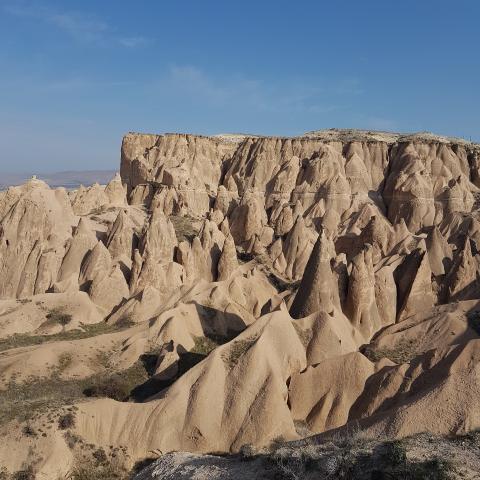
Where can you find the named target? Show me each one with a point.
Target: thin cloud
(133, 42)
(82, 27)
(239, 91)
(79, 26)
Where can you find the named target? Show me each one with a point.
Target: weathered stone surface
(265, 286)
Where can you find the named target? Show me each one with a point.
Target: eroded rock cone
(81, 243)
(420, 296)
(120, 237)
(463, 280)
(317, 288)
(228, 261)
(116, 192)
(439, 251)
(361, 306)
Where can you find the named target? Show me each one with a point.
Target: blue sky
(76, 75)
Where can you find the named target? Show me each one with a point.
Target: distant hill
(70, 179)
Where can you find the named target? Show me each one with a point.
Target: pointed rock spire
(116, 192)
(298, 247)
(420, 295)
(361, 306)
(97, 263)
(438, 249)
(228, 260)
(462, 282)
(316, 290)
(120, 237)
(81, 243)
(159, 239)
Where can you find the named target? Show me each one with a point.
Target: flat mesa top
(336, 135)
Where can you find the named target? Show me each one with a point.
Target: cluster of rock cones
(279, 287)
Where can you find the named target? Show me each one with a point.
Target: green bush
(66, 421)
(60, 317)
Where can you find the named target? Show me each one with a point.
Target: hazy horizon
(77, 76)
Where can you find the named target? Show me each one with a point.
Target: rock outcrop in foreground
(236, 290)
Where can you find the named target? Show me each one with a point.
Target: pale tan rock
(400, 236)
(361, 305)
(248, 218)
(463, 278)
(35, 220)
(142, 195)
(116, 192)
(386, 294)
(420, 296)
(338, 383)
(228, 261)
(212, 384)
(224, 200)
(317, 290)
(81, 243)
(189, 163)
(438, 251)
(110, 289)
(297, 248)
(120, 238)
(327, 335)
(35, 313)
(88, 199)
(441, 389)
(159, 239)
(96, 264)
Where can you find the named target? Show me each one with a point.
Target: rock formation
(235, 287)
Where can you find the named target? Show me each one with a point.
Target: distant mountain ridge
(67, 179)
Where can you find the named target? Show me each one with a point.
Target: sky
(75, 76)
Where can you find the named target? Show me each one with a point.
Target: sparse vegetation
(25, 400)
(23, 301)
(27, 474)
(64, 361)
(126, 321)
(402, 352)
(28, 431)
(358, 461)
(72, 439)
(66, 421)
(86, 331)
(204, 345)
(185, 227)
(95, 469)
(58, 316)
(117, 385)
(237, 349)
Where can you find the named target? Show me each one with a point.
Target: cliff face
(419, 178)
(361, 187)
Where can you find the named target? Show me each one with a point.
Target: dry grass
(236, 350)
(204, 345)
(403, 352)
(359, 460)
(86, 331)
(186, 228)
(25, 401)
(58, 316)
